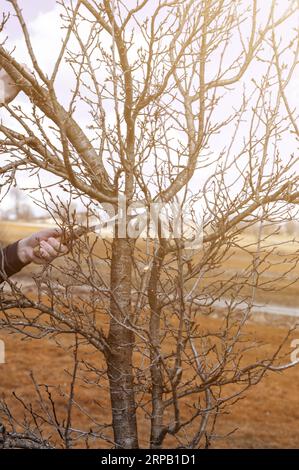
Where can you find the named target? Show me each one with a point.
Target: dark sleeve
(9, 261)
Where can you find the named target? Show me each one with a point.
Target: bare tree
(187, 103)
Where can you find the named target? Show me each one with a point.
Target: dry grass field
(267, 417)
(11, 231)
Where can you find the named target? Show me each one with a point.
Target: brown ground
(268, 416)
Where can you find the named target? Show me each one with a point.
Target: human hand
(49, 244)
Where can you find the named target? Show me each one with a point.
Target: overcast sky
(30, 8)
(43, 22)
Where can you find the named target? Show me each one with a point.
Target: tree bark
(121, 342)
(157, 428)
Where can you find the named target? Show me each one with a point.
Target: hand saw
(67, 237)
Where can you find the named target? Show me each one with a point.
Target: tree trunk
(157, 428)
(121, 341)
